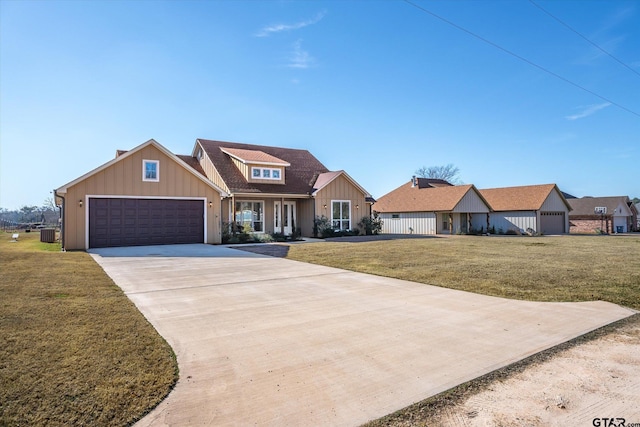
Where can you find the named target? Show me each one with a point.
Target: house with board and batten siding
(538, 208)
(432, 206)
(276, 189)
(150, 196)
(425, 206)
(144, 196)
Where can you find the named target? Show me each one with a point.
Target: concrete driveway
(269, 341)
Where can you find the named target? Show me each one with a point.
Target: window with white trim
(250, 215)
(341, 214)
(265, 173)
(151, 170)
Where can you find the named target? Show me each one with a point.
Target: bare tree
(49, 211)
(449, 173)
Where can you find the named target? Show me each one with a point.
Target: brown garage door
(139, 222)
(552, 222)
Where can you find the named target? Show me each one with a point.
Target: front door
(288, 215)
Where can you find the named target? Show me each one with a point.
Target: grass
(558, 268)
(73, 349)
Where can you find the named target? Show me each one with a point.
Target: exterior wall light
(80, 202)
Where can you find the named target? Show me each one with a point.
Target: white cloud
(278, 28)
(588, 110)
(300, 58)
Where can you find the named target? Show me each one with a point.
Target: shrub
(279, 237)
(235, 233)
(321, 225)
(371, 225)
(297, 234)
(262, 238)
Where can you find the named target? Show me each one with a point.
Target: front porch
(269, 215)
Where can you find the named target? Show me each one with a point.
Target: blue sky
(378, 88)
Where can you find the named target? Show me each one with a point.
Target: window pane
(336, 210)
(257, 211)
(266, 173)
(276, 174)
(345, 210)
(256, 173)
(150, 170)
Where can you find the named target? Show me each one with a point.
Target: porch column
(282, 215)
(450, 223)
(232, 209)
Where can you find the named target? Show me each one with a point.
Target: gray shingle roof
(585, 206)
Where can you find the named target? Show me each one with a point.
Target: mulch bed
(274, 250)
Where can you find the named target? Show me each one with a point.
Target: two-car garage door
(139, 222)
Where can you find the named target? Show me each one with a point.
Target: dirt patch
(596, 376)
(597, 379)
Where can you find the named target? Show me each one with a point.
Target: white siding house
(408, 222)
(420, 207)
(538, 208)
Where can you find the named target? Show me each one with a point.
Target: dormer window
(258, 166)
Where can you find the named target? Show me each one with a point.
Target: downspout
(62, 215)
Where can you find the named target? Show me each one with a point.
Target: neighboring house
(145, 196)
(637, 206)
(149, 196)
(431, 206)
(421, 207)
(274, 189)
(614, 214)
(540, 208)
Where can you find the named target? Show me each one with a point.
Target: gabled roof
(522, 198)
(300, 176)
(255, 157)
(193, 162)
(326, 178)
(408, 198)
(585, 206)
(122, 154)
